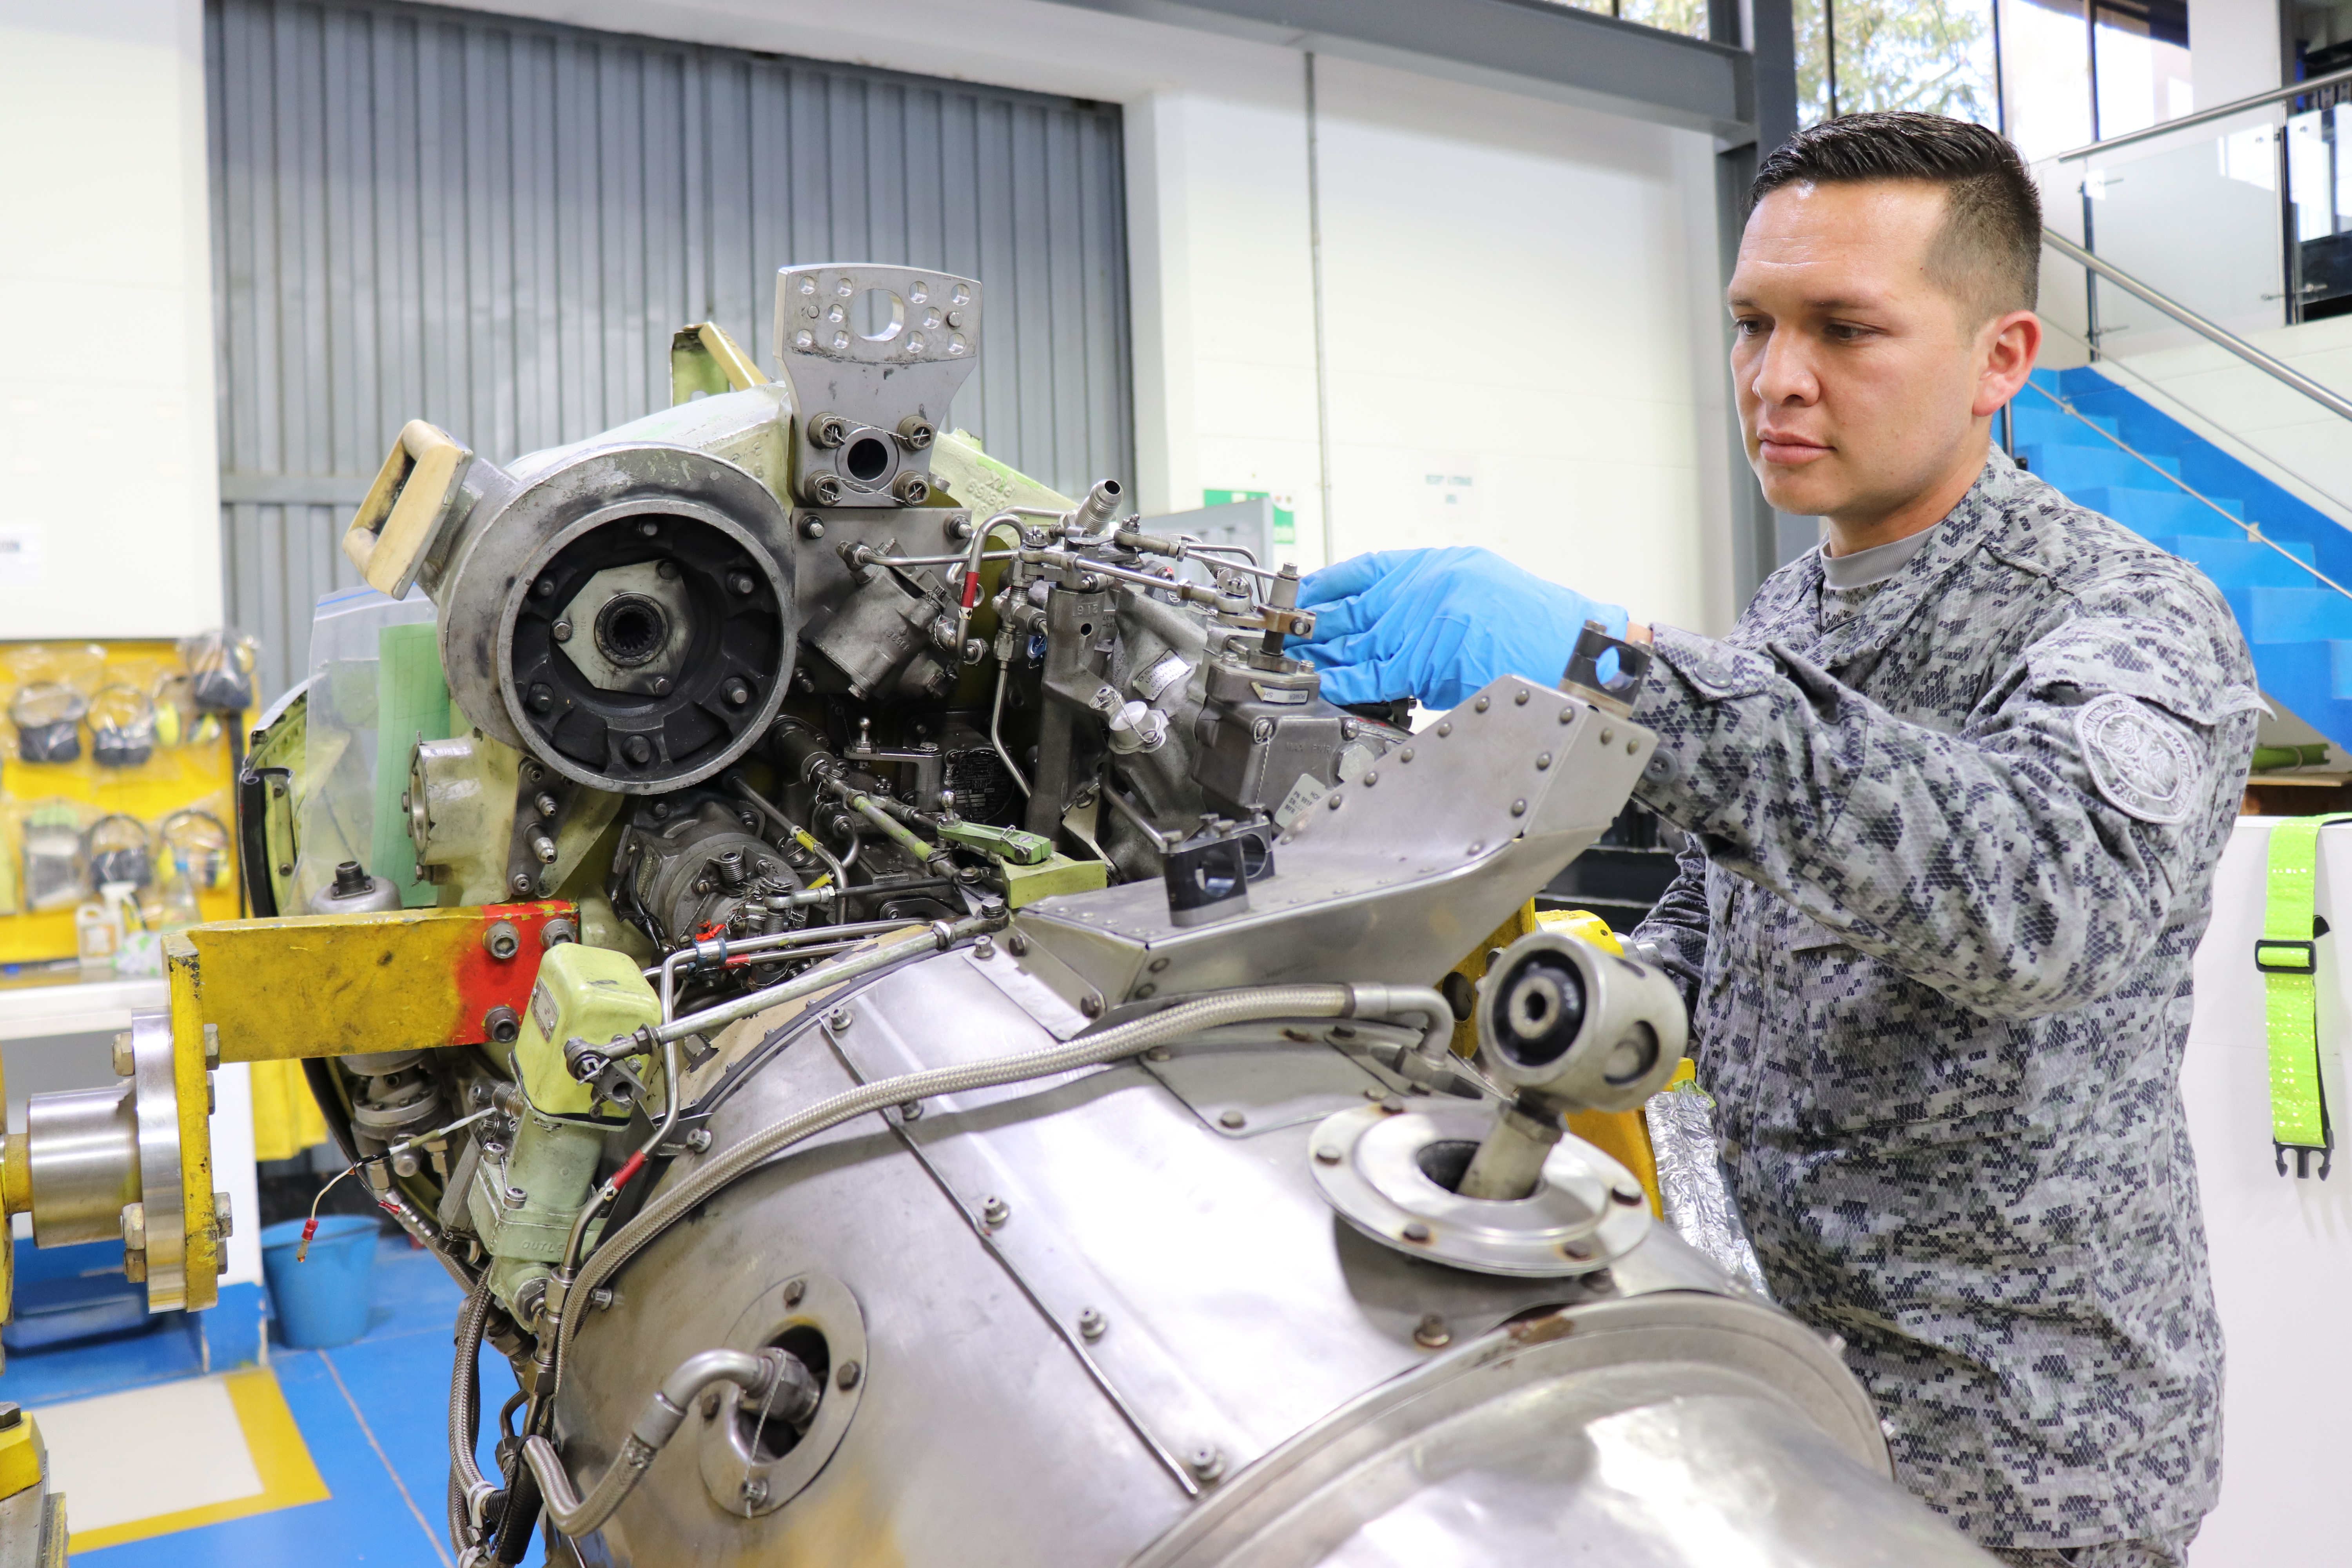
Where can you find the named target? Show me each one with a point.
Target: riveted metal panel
(495, 224)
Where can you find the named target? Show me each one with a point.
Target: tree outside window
(1932, 56)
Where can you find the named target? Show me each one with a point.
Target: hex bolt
(912, 490)
(1416, 1231)
(824, 490)
(516, 1197)
(1156, 1054)
(1600, 1280)
(1092, 1325)
(1206, 1464)
(995, 1212)
(1017, 944)
(1090, 1005)
(1325, 1154)
(500, 940)
(1232, 1120)
(828, 430)
(741, 582)
(562, 631)
(1578, 1249)
(1627, 1193)
(910, 1110)
(665, 570)
(1433, 1333)
(755, 1491)
(543, 696)
(794, 1291)
(710, 1405)
(812, 528)
(1393, 1105)
(698, 1139)
(847, 1378)
(543, 588)
(661, 685)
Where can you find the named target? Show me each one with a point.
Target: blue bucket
(323, 1300)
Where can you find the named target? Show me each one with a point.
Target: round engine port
(753, 1463)
(636, 660)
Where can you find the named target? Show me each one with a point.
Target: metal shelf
(36, 1009)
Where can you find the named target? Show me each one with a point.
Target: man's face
(1858, 374)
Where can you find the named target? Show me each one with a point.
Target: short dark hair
(1990, 253)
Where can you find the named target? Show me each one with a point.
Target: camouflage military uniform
(1954, 840)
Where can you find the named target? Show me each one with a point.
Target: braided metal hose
(1241, 1005)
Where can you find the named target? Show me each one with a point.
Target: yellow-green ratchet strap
(2287, 954)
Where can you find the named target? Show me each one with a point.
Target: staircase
(2299, 628)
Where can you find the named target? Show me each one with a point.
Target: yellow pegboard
(199, 773)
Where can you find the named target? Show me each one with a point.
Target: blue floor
(373, 1414)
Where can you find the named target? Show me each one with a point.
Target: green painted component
(553, 1163)
(1024, 885)
(592, 993)
(694, 368)
(1008, 844)
(412, 703)
(975, 480)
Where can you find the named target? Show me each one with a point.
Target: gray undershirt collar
(1875, 564)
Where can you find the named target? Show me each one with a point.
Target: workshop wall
(108, 522)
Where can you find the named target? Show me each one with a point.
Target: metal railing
(2212, 332)
(2207, 116)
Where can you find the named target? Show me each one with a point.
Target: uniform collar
(1973, 521)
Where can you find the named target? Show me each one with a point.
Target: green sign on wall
(1285, 520)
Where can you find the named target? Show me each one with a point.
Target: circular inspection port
(765, 1435)
(631, 629)
(1446, 1161)
(867, 460)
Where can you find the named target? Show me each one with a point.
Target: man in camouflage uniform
(1955, 789)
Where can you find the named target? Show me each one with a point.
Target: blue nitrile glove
(1437, 624)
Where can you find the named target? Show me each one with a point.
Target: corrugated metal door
(496, 224)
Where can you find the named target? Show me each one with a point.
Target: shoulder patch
(2144, 765)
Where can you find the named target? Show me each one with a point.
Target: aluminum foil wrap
(1698, 1202)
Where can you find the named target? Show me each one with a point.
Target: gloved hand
(1437, 624)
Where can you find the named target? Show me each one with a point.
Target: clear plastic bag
(1691, 1185)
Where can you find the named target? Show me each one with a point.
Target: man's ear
(2006, 347)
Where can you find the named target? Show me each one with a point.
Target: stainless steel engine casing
(1107, 1318)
